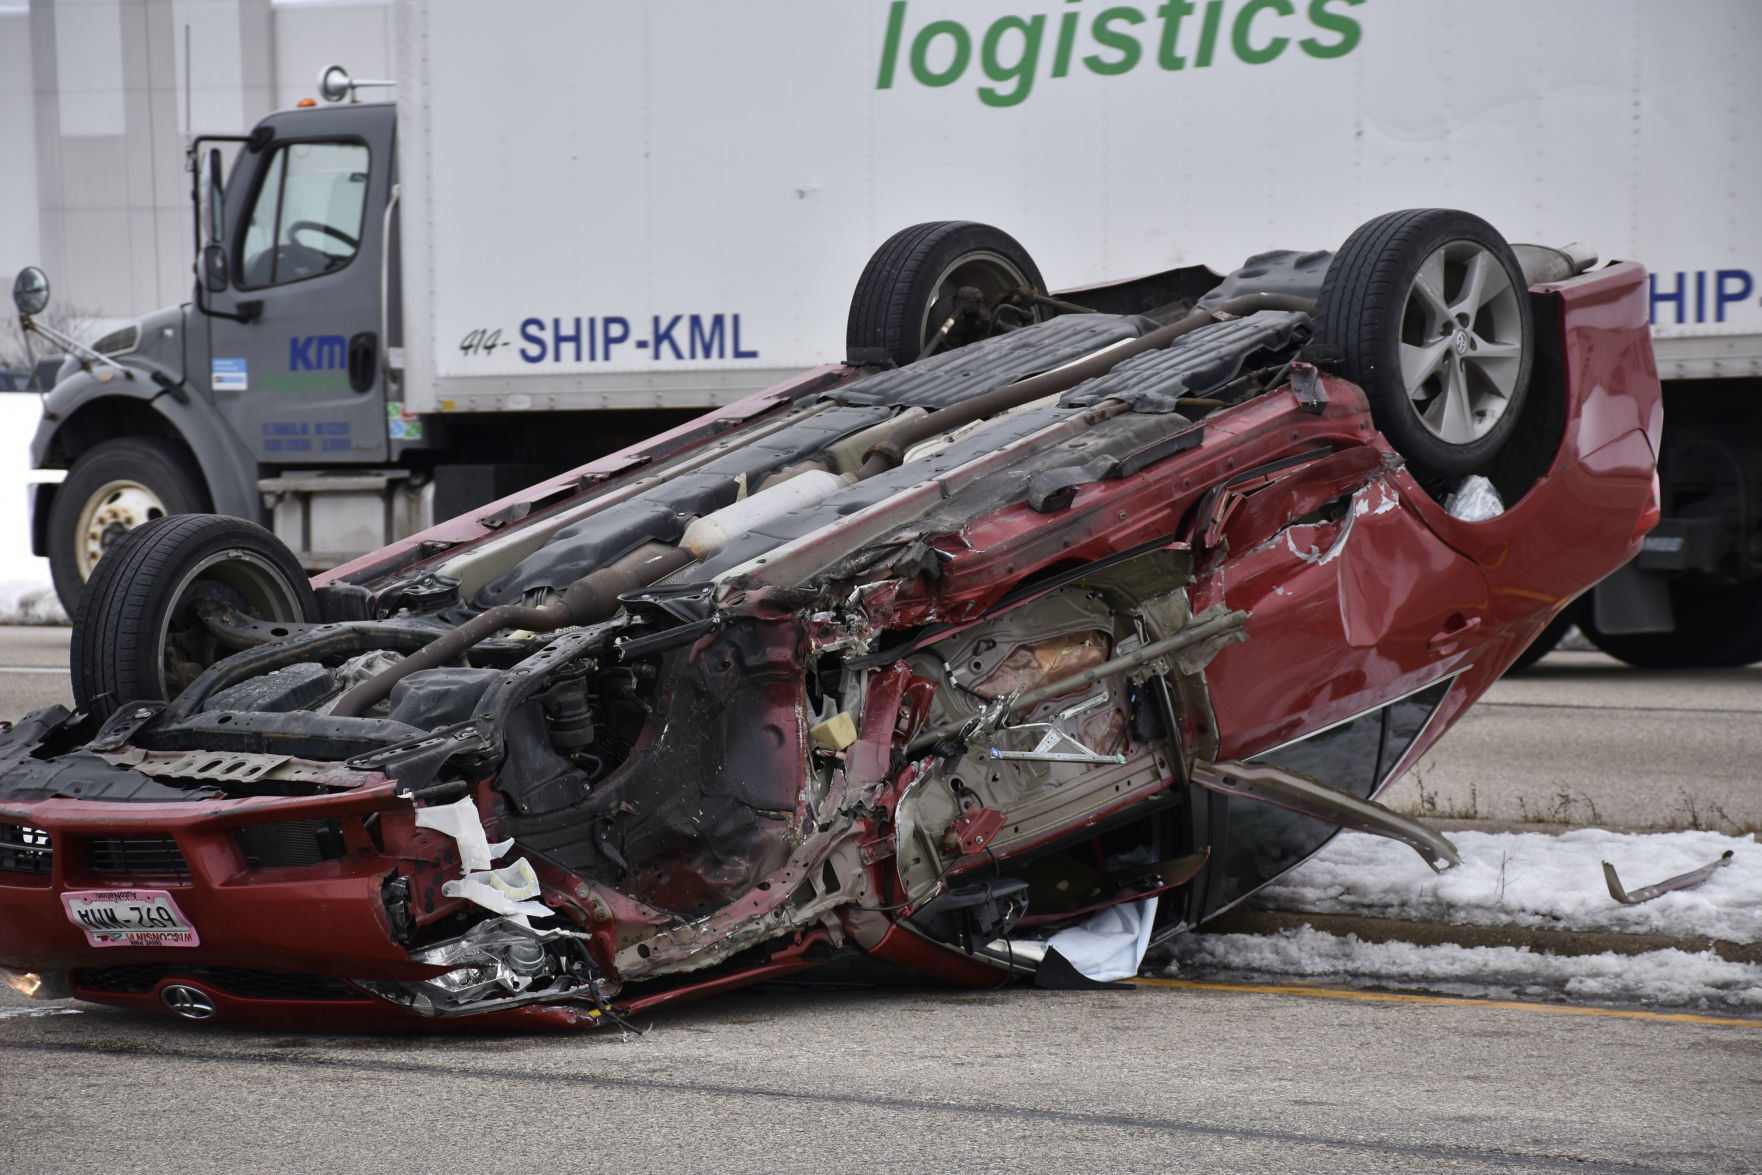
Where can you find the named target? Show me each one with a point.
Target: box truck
(565, 219)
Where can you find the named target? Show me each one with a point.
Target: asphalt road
(33, 669)
(1145, 1080)
(1156, 1078)
(1583, 739)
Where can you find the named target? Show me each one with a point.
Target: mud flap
(1301, 794)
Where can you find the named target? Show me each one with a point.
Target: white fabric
(503, 890)
(1111, 944)
(460, 821)
(1475, 500)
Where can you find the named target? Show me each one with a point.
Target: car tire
(1427, 311)
(112, 488)
(136, 636)
(909, 289)
(1718, 626)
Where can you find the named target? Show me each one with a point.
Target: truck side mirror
(214, 267)
(216, 199)
(214, 256)
(30, 292)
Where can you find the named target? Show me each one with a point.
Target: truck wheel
(112, 488)
(1717, 626)
(1428, 312)
(137, 636)
(940, 285)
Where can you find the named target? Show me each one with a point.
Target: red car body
(1352, 590)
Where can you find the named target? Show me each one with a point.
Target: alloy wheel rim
(1461, 342)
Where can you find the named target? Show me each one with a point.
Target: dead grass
(1692, 813)
(1429, 805)
(1566, 807)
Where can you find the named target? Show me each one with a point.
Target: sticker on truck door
(229, 375)
(401, 425)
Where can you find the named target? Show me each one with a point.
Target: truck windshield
(308, 213)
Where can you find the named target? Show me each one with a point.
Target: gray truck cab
(270, 382)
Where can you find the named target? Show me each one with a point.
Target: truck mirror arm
(72, 346)
(249, 310)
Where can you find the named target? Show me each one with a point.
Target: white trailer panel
(654, 205)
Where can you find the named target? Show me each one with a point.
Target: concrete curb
(1542, 941)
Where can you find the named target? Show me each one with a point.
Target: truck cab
(269, 390)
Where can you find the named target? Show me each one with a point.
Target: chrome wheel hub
(113, 510)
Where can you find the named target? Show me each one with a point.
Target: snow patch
(1668, 978)
(1521, 879)
(27, 596)
(1535, 880)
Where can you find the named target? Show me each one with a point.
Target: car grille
(155, 855)
(291, 842)
(24, 849)
(140, 978)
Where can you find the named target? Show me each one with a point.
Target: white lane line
(32, 669)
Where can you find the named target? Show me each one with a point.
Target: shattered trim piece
(1646, 893)
(1299, 793)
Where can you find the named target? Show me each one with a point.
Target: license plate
(130, 918)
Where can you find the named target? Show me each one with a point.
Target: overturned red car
(1041, 630)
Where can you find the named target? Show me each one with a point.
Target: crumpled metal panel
(1277, 271)
(806, 519)
(658, 514)
(1193, 365)
(953, 376)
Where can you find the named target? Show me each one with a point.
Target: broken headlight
(497, 963)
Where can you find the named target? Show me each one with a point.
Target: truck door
(295, 354)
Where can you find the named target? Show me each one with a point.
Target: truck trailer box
(557, 223)
(672, 206)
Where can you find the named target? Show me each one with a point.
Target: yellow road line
(1395, 997)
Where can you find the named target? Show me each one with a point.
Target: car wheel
(112, 488)
(1428, 312)
(1717, 626)
(940, 285)
(1547, 639)
(137, 635)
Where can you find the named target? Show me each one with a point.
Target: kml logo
(317, 352)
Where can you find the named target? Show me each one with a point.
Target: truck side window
(308, 213)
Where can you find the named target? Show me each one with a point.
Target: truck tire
(912, 286)
(136, 636)
(1427, 311)
(1718, 626)
(112, 488)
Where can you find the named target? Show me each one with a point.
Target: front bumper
(289, 898)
